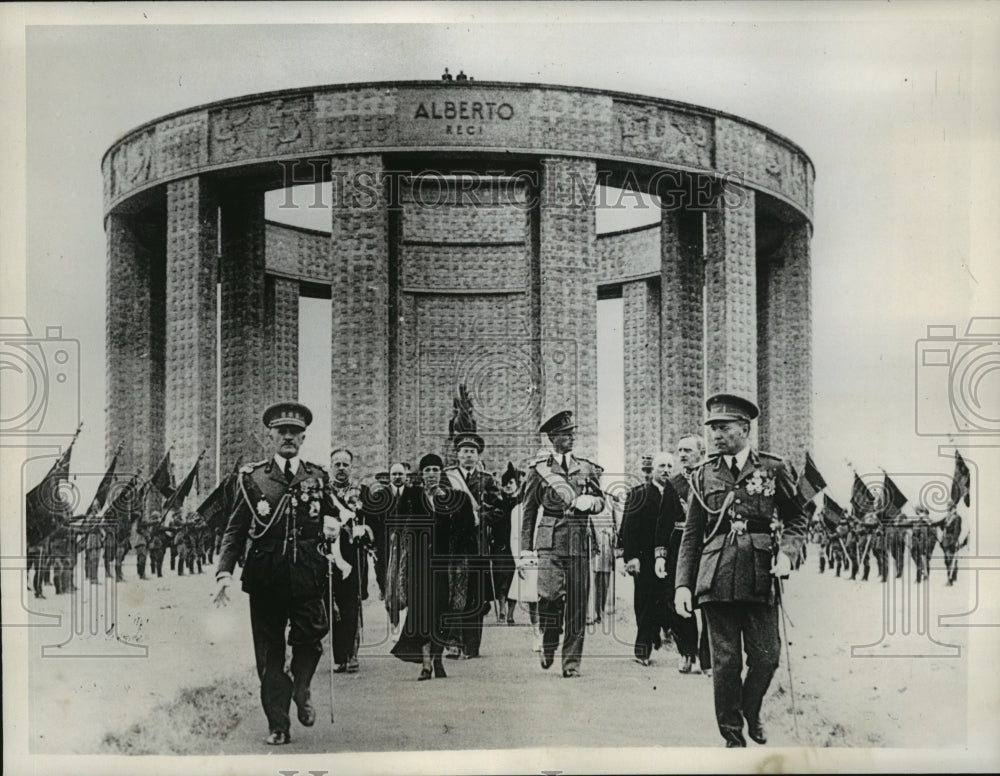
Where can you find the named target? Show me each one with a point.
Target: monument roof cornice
(453, 86)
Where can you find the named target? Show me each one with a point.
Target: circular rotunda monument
(462, 251)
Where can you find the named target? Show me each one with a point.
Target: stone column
(682, 354)
(641, 329)
(135, 332)
(731, 295)
(567, 295)
(784, 307)
(192, 275)
(282, 339)
(359, 248)
(246, 367)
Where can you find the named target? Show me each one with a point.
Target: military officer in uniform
(349, 589)
(285, 511)
(561, 493)
(744, 524)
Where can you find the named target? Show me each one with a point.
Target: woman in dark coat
(436, 540)
(501, 554)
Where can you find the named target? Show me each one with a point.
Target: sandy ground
(193, 689)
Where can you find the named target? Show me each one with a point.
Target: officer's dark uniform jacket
(284, 525)
(730, 560)
(560, 530)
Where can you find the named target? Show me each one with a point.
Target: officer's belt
(275, 543)
(753, 526)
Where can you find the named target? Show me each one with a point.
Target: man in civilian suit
(690, 453)
(652, 593)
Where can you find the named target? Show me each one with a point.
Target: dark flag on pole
(892, 500)
(214, 510)
(862, 499)
(125, 502)
(833, 513)
(46, 505)
(101, 497)
(161, 477)
(811, 482)
(961, 482)
(176, 499)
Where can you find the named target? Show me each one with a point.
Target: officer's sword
(329, 591)
(775, 533)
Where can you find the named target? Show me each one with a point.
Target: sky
(898, 108)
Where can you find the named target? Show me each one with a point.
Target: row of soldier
(850, 544)
(186, 543)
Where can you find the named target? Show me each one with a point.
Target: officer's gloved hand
(660, 568)
(682, 601)
(361, 530)
(528, 559)
(331, 527)
(781, 566)
(632, 567)
(591, 504)
(223, 581)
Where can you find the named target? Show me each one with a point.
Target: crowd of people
(452, 543)
(705, 538)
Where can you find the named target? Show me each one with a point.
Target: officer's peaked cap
(561, 421)
(728, 406)
(288, 413)
(467, 438)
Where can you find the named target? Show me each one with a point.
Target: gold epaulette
(247, 468)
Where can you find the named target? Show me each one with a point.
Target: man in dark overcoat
(469, 477)
(744, 526)
(652, 593)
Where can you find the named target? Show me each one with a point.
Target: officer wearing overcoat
(284, 509)
(743, 526)
(561, 492)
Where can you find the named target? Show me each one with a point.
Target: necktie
(735, 469)
(288, 470)
(564, 464)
